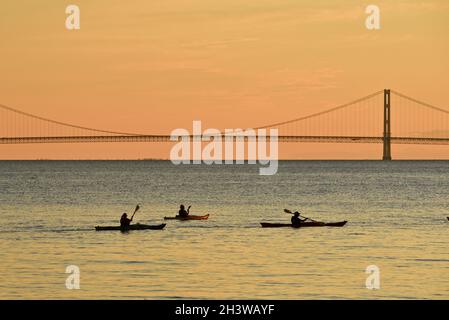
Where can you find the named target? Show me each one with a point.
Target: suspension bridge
(386, 116)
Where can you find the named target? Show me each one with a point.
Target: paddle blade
(287, 211)
(137, 208)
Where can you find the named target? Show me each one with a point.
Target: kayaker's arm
(188, 210)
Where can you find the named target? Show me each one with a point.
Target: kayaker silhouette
(183, 212)
(124, 221)
(296, 220)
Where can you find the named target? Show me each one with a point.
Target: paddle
(137, 208)
(289, 211)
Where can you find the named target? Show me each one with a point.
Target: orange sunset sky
(153, 66)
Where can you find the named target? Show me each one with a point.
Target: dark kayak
(189, 217)
(136, 226)
(304, 224)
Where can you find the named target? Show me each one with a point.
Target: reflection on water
(396, 211)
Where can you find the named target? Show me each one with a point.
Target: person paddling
(183, 213)
(124, 221)
(296, 220)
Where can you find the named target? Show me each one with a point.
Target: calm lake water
(396, 212)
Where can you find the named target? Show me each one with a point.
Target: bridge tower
(387, 127)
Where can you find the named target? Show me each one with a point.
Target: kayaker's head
(124, 215)
(182, 207)
(296, 214)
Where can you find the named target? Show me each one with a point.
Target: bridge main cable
(322, 112)
(66, 124)
(419, 102)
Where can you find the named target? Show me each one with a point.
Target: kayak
(304, 224)
(136, 226)
(189, 217)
